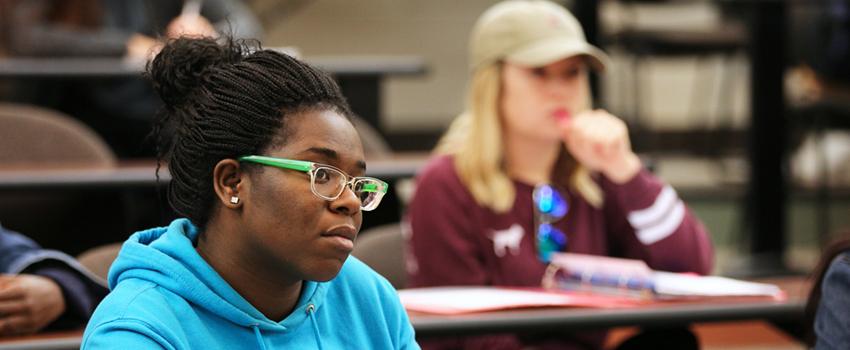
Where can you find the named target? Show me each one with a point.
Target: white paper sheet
(676, 284)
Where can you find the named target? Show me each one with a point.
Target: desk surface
(65, 340)
(141, 174)
(660, 314)
(560, 319)
(546, 319)
(573, 319)
(116, 67)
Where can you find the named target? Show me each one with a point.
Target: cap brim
(551, 50)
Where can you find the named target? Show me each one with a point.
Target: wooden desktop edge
(573, 319)
(59, 340)
(527, 320)
(656, 314)
(547, 319)
(66, 67)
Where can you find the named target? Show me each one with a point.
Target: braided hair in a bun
(224, 99)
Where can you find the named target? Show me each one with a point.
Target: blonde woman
(530, 169)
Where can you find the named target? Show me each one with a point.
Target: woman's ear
(227, 181)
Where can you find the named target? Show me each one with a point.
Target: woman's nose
(557, 88)
(348, 203)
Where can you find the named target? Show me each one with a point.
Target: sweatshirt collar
(167, 257)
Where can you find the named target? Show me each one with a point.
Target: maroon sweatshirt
(455, 241)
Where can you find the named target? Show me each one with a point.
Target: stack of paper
(688, 285)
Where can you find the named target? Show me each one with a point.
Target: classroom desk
(131, 192)
(653, 315)
(64, 340)
(100, 67)
(359, 77)
(141, 174)
(574, 319)
(547, 319)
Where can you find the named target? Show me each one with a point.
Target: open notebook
(627, 277)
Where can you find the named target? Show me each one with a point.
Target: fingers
(16, 324)
(11, 290)
(191, 25)
(596, 138)
(599, 128)
(141, 46)
(12, 307)
(29, 303)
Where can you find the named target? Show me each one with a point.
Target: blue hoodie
(164, 295)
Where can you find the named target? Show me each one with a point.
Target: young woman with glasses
(268, 172)
(529, 169)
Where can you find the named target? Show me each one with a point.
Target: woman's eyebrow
(324, 152)
(332, 155)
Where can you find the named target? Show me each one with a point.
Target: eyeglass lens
(329, 183)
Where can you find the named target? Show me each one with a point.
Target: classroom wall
(677, 93)
(438, 31)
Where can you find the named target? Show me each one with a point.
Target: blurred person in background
(528, 126)
(828, 308)
(42, 288)
(120, 109)
(818, 87)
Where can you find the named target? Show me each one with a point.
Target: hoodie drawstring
(259, 336)
(311, 312)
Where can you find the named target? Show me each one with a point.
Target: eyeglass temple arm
(299, 165)
(379, 186)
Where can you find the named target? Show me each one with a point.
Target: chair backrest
(99, 259)
(374, 145)
(38, 138)
(31, 135)
(382, 248)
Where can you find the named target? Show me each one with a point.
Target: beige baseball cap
(530, 33)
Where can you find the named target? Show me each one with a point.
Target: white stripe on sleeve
(657, 211)
(663, 228)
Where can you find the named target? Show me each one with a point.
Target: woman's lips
(342, 237)
(561, 114)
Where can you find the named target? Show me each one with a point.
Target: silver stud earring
(234, 200)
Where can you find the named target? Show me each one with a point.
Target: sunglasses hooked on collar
(549, 207)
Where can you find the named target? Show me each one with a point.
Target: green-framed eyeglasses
(328, 182)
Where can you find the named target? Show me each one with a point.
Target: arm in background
(37, 273)
(232, 17)
(34, 34)
(648, 221)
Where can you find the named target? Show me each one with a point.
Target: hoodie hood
(166, 257)
(164, 295)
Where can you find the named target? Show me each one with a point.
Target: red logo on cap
(555, 21)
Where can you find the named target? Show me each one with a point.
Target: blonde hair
(475, 140)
